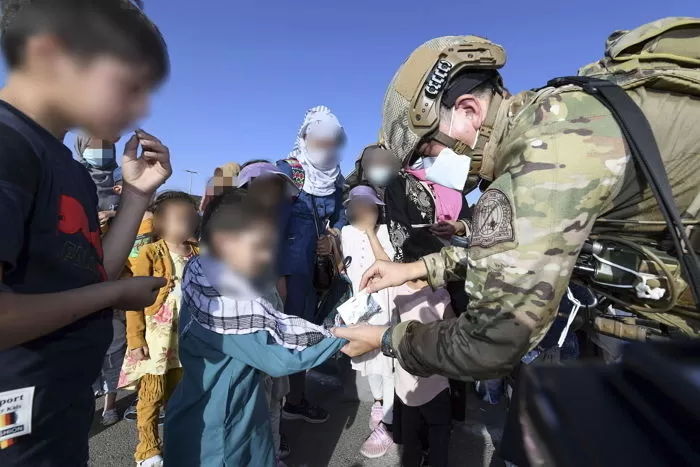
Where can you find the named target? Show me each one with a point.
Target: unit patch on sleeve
(492, 222)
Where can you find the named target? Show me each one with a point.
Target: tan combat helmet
(411, 110)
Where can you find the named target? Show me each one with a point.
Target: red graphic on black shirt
(72, 219)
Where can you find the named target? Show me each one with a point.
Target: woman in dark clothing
(423, 216)
(375, 167)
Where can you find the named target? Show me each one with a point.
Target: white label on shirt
(16, 412)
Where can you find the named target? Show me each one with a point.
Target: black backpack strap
(645, 151)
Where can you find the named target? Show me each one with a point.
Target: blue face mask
(379, 176)
(99, 158)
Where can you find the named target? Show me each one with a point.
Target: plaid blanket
(226, 303)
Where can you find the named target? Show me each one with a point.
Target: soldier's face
(461, 122)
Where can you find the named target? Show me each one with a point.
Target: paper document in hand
(359, 308)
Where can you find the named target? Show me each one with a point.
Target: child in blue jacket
(232, 331)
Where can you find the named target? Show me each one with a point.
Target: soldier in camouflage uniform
(554, 167)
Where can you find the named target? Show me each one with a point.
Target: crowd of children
(207, 338)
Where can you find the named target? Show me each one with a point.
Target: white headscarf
(320, 174)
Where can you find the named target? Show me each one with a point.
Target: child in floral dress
(152, 334)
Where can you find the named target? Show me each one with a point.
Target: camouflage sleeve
(450, 264)
(560, 165)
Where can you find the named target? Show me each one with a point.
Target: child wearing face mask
(366, 240)
(152, 334)
(233, 331)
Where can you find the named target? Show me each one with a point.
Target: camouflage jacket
(560, 164)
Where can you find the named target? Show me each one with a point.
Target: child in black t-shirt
(91, 65)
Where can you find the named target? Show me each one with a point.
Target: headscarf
(226, 303)
(319, 176)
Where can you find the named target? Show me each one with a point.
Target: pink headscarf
(448, 202)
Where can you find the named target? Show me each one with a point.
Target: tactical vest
(658, 66)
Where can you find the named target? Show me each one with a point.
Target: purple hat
(265, 169)
(363, 192)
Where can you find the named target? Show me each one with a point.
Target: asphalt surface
(334, 443)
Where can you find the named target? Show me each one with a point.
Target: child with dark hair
(232, 330)
(273, 189)
(71, 64)
(151, 334)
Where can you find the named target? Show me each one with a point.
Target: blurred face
(219, 183)
(379, 172)
(321, 152)
(267, 190)
(103, 95)
(250, 252)
(176, 222)
(363, 212)
(330, 144)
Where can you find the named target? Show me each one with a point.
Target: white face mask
(424, 162)
(379, 176)
(450, 169)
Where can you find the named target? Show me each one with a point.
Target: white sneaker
(375, 415)
(155, 461)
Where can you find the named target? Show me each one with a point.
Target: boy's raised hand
(152, 169)
(136, 293)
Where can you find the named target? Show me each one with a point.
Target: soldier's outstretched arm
(562, 164)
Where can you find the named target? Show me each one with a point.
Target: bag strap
(645, 151)
(313, 207)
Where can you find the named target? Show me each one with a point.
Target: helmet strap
(476, 154)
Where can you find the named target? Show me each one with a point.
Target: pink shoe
(377, 444)
(376, 414)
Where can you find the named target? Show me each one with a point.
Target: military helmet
(411, 110)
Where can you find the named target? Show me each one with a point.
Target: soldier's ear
(470, 107)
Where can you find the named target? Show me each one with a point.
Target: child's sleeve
(135, 319)
(261, 352)
(20, 173)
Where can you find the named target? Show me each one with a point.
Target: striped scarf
(225, 303)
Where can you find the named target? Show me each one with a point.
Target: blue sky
(243, 73)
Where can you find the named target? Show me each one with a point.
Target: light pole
(192, 174)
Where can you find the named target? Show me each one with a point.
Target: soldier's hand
(383, 274)
(362, 338)
(447, 229)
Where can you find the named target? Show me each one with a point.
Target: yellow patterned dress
(161, 334)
